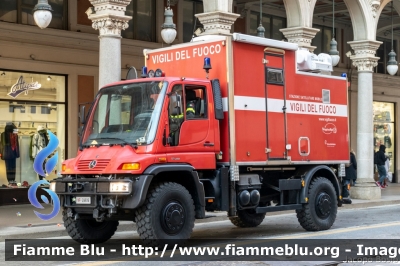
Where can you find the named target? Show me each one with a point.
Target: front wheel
(88, 231)
(320, 211)
(167, 214)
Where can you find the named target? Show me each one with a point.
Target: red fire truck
(239, 123)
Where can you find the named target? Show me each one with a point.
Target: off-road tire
(247, 218)
(320, 211)
(88, 231)
(167, 215)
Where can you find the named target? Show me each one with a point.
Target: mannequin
(9, 149)
(39, 141)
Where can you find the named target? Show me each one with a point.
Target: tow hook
(110, 205)
(98, 216)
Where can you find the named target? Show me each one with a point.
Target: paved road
(368, 223)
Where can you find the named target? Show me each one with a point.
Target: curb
(43, 231)
(361, 205)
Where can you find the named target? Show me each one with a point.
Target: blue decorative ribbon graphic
(43, 154)
(50, 164)
(32, 198)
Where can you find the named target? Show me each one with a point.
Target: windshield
(125, 114)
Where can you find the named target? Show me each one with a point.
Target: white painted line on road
(331, 231)
(371, 207)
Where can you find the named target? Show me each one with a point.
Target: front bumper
(98, 189)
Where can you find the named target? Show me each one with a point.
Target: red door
(191, 131)
(276, 106)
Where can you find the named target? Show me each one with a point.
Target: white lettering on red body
(185, 54)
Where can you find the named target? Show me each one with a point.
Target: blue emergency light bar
(144, 72)
(207, 64)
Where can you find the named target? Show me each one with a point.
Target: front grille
(101, 164)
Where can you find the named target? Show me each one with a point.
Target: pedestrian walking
(387, 168)
(380, 160)
(351, 176)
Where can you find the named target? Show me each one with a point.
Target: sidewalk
(19, 221)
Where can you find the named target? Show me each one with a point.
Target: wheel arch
(182, 174)
(307, 173)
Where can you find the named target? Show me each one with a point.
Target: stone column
(365, 61)
(301, 35)
(217, 17)
(108, 16)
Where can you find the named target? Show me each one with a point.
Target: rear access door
(276, 103)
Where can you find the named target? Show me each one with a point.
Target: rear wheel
(320, 211)
(88, 231)
(167, 214)
(248, 218)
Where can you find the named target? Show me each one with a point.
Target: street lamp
(260, 29)
(168, 32)
(334, 53)
(42, 14)
(392, 66)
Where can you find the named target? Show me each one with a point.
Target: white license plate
(82, 200)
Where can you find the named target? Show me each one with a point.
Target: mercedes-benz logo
(92, 164)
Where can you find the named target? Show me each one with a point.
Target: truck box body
(253, 134)
(274, 114)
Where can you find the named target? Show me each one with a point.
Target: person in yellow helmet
(190, 112)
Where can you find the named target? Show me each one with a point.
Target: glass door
(384, 127)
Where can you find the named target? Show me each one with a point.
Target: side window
(175, 114)
(195, 102)
(274, 76)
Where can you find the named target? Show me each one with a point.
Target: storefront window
(190, 22)
(384, 127)
(8, 10)
(271, 24)
(142, 26)
(382, 52)
(30, 103)
(322, 39)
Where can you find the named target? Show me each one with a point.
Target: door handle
(208, 144)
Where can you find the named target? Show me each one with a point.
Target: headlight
(119, 187)
(53, 186)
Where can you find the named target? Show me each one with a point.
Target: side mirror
(80, 130)
(178, 101)
(82, 114)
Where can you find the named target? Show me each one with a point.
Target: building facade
(64, 60)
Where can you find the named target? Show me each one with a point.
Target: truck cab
(135, 131)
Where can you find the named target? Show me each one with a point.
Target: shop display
(30, 142)
(33, 103)
(39, 142)
(9, 149)
(384, 126)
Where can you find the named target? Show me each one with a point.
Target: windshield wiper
(124, 142)
(132, 144)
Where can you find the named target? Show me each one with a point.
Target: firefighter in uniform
(175, 121)
(190, 112)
